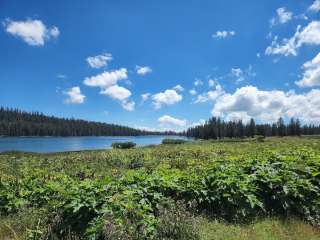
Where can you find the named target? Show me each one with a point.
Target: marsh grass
(267, 229)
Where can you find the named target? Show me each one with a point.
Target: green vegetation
(123, 145)
(267, 229)
(14, 122)
(216, 128)
(197, 190)
(173, 141)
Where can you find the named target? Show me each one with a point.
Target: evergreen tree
(252, 128)
(216, 128)
(281, 127)
(14, 122)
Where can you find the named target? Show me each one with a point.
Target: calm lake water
(63, 144)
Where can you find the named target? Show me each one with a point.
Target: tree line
(215, 128)
(14, 122)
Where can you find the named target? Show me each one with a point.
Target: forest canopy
(216, 128)
(14, 122)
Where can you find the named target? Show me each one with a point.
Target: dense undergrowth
(157, 192)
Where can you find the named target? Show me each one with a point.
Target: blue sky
(190, 60)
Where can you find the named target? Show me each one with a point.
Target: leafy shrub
(173, 141)
(123, 145)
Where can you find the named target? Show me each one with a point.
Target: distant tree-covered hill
(216, 128)
(14, 122)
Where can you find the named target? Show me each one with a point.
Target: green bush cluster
(123, 145)
(173, 141)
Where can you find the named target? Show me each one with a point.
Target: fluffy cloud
(238, 73)
(116, 92)
(54, 32)
(310, 35)
(288, 47)
(211, 82)
(143, 70)
(192, 92)
(200, 122)
(33, 32)
(145, 97)
(268, 106)
(178, 88)
(168, 97)
(167, 120)
(99, 60)
(197, 82)
(283, 16)
(120, 94)
(129, 106)
(106, 79)
(146, 128)
(223, 34)
(311, 75)
(74, 96)
(210, 95)
(315, 7)
(237, 116)
(62, 76)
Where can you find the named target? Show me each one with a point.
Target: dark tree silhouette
(14, 122)
(215, 128)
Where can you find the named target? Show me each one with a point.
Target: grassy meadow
(205, 190)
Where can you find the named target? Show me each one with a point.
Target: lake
(64, 144)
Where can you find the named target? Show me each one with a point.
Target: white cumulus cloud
(74, 96)
(283, 16)
(54, 32)
(311, 74)
(99, 61)
(108, 83)
(168, 97)
(145, 97)
(192, 92)
(211, 82)
(120, 94)
(106, 79)
(200, 122)
(178, 88)
(238, 73)
(223, 34)
(268, 106)
(315, 7)
(143, 70)
(116, 92)
(33, 32)
(197, 82)
(211, 95)
(128, 105)
(167, 120)
(310, 35)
